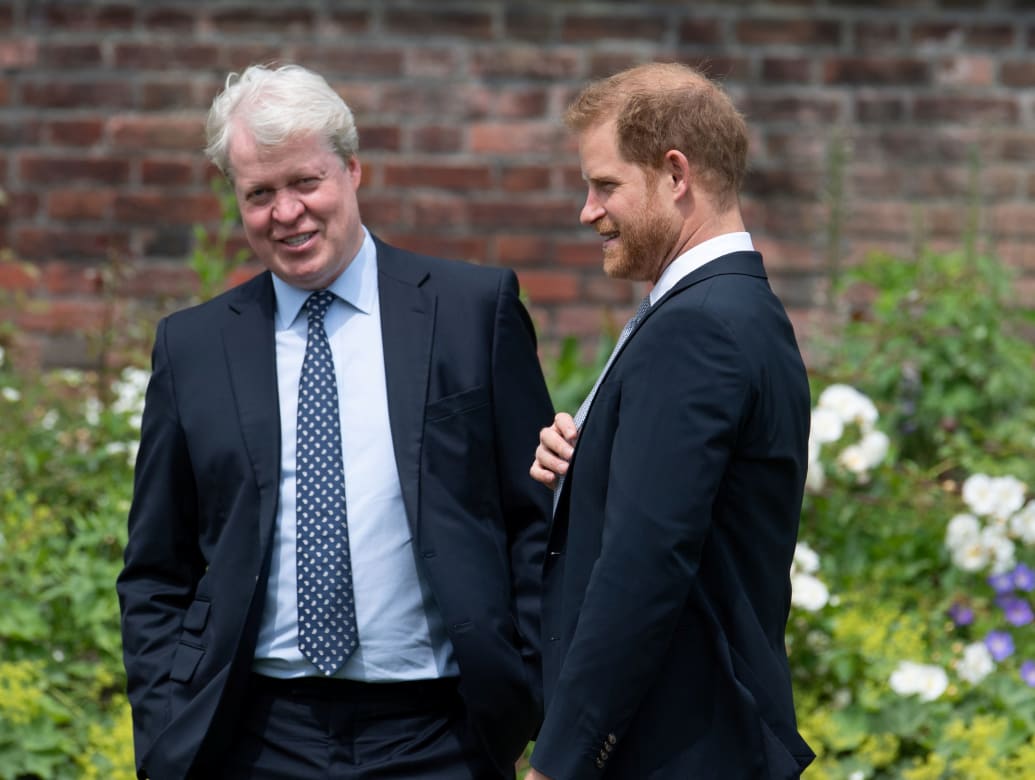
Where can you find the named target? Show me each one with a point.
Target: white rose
(963, 528)
(1022, 524)
(978, 494)
(808, 593)
(923, 680)
(971, 555)
(827, 426)
(1000, 547)
(815, 478)
(1007, 496)
(805, 558)
(875, 447)
(976, 663)
(850, 405)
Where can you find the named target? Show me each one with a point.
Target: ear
(676, 169)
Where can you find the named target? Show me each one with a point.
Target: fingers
(556, 445)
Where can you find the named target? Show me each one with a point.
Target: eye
(258, 196)
(308, 182)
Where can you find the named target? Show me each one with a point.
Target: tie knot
(318, 303)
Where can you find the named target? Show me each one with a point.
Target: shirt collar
(697, 256)
(356, 285)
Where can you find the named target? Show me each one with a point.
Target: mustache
(603, 228)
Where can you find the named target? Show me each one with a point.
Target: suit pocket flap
(185, 661)
(456, 403)
(197, 616)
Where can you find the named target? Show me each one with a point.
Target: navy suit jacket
(666, 589)
(466, 400)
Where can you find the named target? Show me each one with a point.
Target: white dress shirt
(695, 257)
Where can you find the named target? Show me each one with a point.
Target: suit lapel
(250, 344)
(407, 329)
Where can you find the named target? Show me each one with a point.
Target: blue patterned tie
(327, 633)
(580, 415)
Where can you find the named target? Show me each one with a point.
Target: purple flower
(999, 644)
(1017, 611)
(1001, 583)
(1028, 673)
(961, 614)
(1024, 578)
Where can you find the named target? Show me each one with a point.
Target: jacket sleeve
(522, 406)
(162, 560)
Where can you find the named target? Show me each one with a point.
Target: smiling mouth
(609, 236)
(298, 240)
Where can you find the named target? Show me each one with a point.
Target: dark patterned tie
(327, 633)
(580, 415)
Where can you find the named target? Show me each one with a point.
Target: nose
(591, 209)
(287, 207)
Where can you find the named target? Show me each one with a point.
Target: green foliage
(65, 482)
(569, 377)
(939, 347)
(211, 259)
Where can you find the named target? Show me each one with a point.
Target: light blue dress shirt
(401, 632)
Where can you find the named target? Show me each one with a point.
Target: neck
(696, 232)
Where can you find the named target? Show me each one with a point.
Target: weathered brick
(167, 241)
(37, 169)
(601, 289)
(550, 286)
(235, 56)
(1012, 219)
(256, 19)
(152, 56)
(791, 182)
(523, 103)
(581, 27)
(457, 177)
(966, 109)
(70, 55)
(546, 213)
(33, 242)
(896, 71)
(157, 132)
(168, 95)
(787, 69)
(721, 68)
(356, 61)
(15, 55)
(965, 71)
(515, 137)
(79, 204)
(71, 279)
(585, 253)
(700, 31)
(525, 23)
(512, 61)
(428, 63)
(167, 172)
(19, 205)
(24, 131)
(380, 211)
(1014, 73)
(801, 109)
(522, 250)
(439, 22)
(102, 17)
(73, 94)
(75, 132)
(798, 32)
(877, 35)
(525, 178)
(385, 138)
(350, 20)
(84, 315)
(434, 211)
(879, 109)
(439, 139)
(18, 277)
(148, 207)
(169, 19)
(158, 279)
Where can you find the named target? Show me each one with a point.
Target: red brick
(1012, 219)
(787, 69)
(152, 56)
(70, 94)
(350, 20)
(72, 279)
(89, 204)
(19, 132)
(56, 316)
(972, 110)
(799, 32)
(527, 24)
(167, 173)
(1017, 73)
(459, 177)
(517, 103)
(525, 62)
(66, 170)
(87, 18)
(169, 19)
(550, 286)
(783, 254)
(881, 219)
(874, 181)
(521, 250)
(435, 211)
(5, 93)
(70, 55)
(380, 211)
(965, 71)
(546, 213)
(428, 63)
(34, 243)
(516, 137)
(723, 69)
(877, 36)
(255, 19)
(787, 182)
(236, 56)
(892, 71)
(879, 109)
(601, 289)
(583, 27)
(439, 22)
(525, 178)
(75, 132)
(703, 31)
(19, 205)
(421, 99)
(798, 109)
(586, 253)
(161, 280)
(157, 132)
(471, 249)
(356, 61)
(17, 277)
(161, 207)
(436, 138)
(385, 138)
(19, 54)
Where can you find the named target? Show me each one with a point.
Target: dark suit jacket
(666, 589)
(466, 399)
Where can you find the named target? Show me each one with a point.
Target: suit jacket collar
(735, 263)
(407, 330)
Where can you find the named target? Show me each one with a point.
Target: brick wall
(458, 101)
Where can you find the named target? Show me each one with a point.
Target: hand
(556, 444)
(535, 775)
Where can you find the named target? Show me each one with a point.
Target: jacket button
(600, 764)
